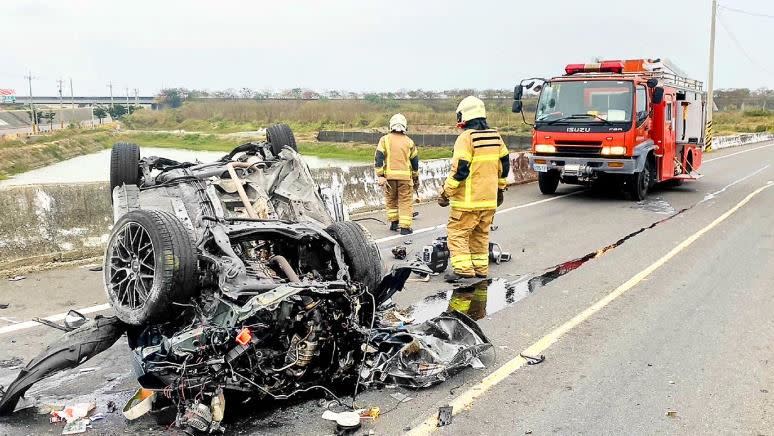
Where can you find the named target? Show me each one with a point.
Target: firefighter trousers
(399, 199)
(468, 240)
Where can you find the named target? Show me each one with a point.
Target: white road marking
(738, 152)
(506, 210)
(714, 194)
(465, 400)
(58, 317)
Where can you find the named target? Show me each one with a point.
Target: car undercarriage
(241, 275)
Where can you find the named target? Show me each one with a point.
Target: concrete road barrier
(61, 222)
(736, 140)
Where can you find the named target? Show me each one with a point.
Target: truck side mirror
(658, 95)
(517, 106)
(517, 92)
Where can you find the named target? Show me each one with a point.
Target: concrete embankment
(40, 224)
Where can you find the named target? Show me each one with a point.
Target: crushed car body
(241, 275)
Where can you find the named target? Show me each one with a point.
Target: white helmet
(470, 108)
(398, 123)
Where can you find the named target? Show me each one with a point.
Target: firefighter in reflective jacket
(397, 169)
(474, 188)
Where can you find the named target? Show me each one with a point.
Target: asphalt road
(669, 332)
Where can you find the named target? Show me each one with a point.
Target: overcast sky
(364, 45)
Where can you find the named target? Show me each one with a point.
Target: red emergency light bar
(601, 67)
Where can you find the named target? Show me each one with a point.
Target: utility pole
(127, 100)
(61, 107)
(32, 106)
(110, 85)
(137, 98)
(72, 101)
(710, 80)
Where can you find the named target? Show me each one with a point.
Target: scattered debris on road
(401, 397)
(445, 416)
(399, 252)
(533, 360)
(17, 278)
(76, 427)
(4, 305)
(266, 294)
(671, 413)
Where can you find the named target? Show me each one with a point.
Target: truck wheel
(280, 135)
(124, 165)
(150, 263)
(360, 252)
(548, 182)
(639, 183)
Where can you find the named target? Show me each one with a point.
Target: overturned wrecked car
(241, 275)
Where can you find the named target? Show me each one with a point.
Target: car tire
(548, 182)
(639, 183)
(150, 263)
(360, 251)
(279, 136)
(124, 165)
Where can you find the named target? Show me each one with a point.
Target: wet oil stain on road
(485, 297)
(655, 205)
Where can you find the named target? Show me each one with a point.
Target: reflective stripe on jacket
(396, 157)
(479, 168)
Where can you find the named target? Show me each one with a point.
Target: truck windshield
(586, 101)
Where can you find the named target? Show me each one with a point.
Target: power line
(742, 11)
(741, 47)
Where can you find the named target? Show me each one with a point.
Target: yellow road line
(465, 400)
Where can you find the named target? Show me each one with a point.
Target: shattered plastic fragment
(140, 404)
(444, 416)
(401, 397)
(74, 412)
(76, 427)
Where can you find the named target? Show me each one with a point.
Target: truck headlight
(614, 150)
(544, 148)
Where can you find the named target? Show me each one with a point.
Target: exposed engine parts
(232, 277)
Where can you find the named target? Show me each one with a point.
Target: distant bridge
(90, 101)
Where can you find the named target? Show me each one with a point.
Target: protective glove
(443, 200)
(500, 197)
(381, 181)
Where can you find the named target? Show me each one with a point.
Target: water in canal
(95, 167)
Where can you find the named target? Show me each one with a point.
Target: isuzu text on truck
(630, 123)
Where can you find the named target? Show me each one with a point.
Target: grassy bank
(330, 150)
(750, 121)
(314, 115)
(18, 156)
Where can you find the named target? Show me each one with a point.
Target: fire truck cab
(632, 123)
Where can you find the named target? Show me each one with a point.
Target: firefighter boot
(453, 276)
(394, 226)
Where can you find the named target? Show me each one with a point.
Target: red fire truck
(633, 123)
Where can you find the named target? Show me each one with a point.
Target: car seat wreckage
(233, 276)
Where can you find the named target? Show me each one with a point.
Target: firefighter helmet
(398, 123)
(470, 108)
